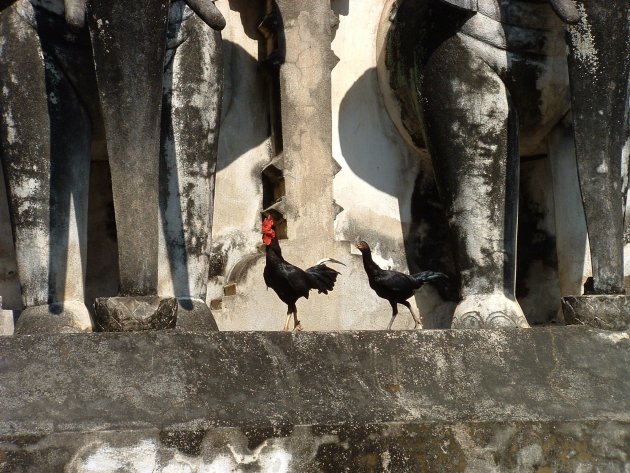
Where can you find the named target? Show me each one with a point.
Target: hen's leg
(394, 313)
(416, 319)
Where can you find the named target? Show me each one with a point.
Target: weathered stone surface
(609, 312)
(128, 41)
(506, 400)
(193, 315)
(513, 447)
(599, 69)
(253, 379)
(66, 317)
(130, 314)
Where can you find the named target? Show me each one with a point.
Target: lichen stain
(12, 134)
(583, 41)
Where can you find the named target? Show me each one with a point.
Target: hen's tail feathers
(444, 285)
(322, 278)
(430, 277)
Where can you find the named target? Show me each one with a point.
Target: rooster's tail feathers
(328, 260)
(322, 278)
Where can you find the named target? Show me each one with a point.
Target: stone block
(130, 314)
(58, 317)
(193, 315)
(609, 312)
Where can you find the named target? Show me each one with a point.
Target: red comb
(267, 224)
(267, 230)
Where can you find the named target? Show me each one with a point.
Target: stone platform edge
(447, 400)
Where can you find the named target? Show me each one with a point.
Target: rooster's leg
(394, 313)
(297, 326)
(415, 317)
(286, 323)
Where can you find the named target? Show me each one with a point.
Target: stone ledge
(543, 399)
(183, 381)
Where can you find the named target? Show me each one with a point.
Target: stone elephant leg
(599, 69)
(45, 142)
(472, 132)
(128, 41)
(193, 86)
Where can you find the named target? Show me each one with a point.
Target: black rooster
(291, 282)
(394, 286)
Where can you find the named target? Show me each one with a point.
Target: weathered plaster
(243, 148)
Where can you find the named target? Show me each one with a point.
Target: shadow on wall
(240, 132)
(251, 13)
(242, 73)
(341, 7)
(427, 233)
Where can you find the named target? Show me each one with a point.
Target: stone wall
(528, 400)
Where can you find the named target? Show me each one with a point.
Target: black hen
(291, 282)
(395, 286)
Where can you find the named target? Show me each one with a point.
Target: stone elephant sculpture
(147, 78)
(482, 83)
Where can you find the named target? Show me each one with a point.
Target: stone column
(305, 98)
